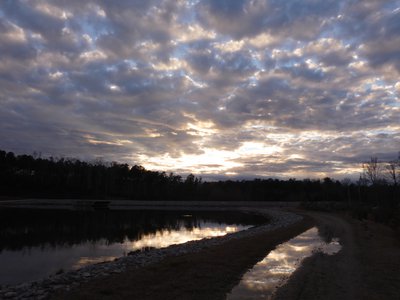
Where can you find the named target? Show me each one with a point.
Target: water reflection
(36, 243)
(25, 228)
(164, 238)
(261, 281)
(84, 261)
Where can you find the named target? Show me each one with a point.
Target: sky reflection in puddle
(261, 281)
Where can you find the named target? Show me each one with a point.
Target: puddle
(262, 280)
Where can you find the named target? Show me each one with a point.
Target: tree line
(37, 177)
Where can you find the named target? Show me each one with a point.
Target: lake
(35, 243)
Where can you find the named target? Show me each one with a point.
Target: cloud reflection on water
(87, 260)
(160, 239)
(165, 237)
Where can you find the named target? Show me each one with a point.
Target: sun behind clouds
(235, 88)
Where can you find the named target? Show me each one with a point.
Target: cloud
(294, 19)
(238, 88)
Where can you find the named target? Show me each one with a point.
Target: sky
(223, 88)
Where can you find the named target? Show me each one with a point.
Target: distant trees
(38, 177)
(34, 176)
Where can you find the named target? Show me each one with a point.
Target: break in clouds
(295, 88)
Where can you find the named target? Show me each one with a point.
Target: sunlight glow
(211, 160)
(201, 128)
(254, 148)
(95, 141)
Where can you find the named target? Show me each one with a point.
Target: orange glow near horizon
(292, 154)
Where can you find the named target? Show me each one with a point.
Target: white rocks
(65, 281)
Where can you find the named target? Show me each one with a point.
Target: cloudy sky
(294, 88)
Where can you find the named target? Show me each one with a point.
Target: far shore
(142, 204)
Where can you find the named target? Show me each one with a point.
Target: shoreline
(142, 204)
(43, 289)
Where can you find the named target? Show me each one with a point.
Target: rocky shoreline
(44, 288)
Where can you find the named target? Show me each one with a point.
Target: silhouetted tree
(393, 171)
(372, 170)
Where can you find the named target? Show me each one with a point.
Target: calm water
(261, 281)
(38, 243)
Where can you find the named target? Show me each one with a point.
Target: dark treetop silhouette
(36, 177)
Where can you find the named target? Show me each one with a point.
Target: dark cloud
(13, 44)
(294, 19)
(375, 26)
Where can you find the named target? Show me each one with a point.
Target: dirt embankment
(209, 274)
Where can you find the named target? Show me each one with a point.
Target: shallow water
(35, 244)
(262, 280)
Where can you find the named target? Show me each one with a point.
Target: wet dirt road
(367, 267)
